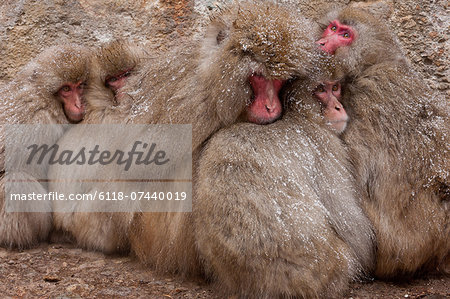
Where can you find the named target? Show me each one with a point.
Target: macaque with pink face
(329, 94)
(398, 143)
(118, 80)
(48, 90)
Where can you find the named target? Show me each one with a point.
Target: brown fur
(97, 231)
(110, 59)
(277, 210)
(206, 84)
(398, 140)
(30, 99)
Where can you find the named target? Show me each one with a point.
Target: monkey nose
(321, 42)
(271, 107)
(79, 103)
(338, 106)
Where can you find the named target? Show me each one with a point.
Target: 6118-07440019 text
(94, 156)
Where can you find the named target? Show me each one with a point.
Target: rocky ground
(63, 271)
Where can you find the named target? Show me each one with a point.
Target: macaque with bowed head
(277, 211)
(250, 51)
(243, 60)
(398, 144)
(48, 90)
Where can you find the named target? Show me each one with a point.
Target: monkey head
(113, 63)
(318, 99)
(251, 52)
(116, 61)
(61, 73)
(357, 39)
(336, 35)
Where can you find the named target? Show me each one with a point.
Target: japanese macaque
(247, 56)
(277, 211)
(398, 141)
(113, 64)
(48, 90)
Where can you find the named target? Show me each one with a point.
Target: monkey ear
(219, 27)
(221, 36)
(379, 9)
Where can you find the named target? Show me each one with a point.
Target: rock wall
(27, 26)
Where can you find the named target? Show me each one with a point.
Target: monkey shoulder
(245, 137)
(244, 146)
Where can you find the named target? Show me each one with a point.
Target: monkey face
(266, 106)
(71, 96)
(329, 95)
(117, 81)
(336, 35)
(258, 49)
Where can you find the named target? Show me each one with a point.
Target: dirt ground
(63, 271)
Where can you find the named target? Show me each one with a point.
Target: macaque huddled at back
(398, 140)
(277, 210)
(48, 90)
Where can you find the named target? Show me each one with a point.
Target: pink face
(336, 35)
(329, 94)
(266, 106)
(71, 96)
(117, 81)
